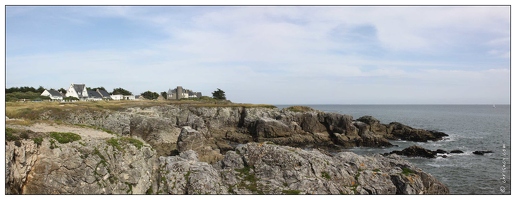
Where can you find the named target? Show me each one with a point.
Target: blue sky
(268, 54)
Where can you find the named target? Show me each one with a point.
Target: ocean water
(470, 128)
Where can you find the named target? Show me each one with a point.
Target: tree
(164, 94)
(121, 91)
(41, 89)
(95, 89)
(219, 94)
(150, 95)
(62, 90)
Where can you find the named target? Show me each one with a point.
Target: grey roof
(94, 94)
(54, 93)
(104, 93)
(79, 88)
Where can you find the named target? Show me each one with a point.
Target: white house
(129, 97)
(78, 91)
(117, 97)
(53, 94)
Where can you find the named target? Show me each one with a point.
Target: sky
(268, 54)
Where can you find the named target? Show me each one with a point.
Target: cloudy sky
(268, 54)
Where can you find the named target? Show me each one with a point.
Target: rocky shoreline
(218, 150)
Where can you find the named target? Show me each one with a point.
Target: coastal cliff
(180, 149)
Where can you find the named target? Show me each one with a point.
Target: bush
(64, 138)
(38, 141)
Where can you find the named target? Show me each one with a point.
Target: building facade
(180, 93)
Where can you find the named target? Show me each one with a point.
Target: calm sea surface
(471, 128)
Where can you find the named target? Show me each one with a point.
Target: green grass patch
(65, 137)
(118, 142)
(38, 141)
(9, 134)
(299, 109)
(291, 192)
(114, 142)
(407, 171)
(325, 175)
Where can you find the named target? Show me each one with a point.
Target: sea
(470, 128)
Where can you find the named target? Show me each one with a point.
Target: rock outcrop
(91, 166)
(481, 152)
(226, 127)
(416, 151)
(217, 150)
(97, 166)
(261, 168)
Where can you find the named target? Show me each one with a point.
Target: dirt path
(83, 132)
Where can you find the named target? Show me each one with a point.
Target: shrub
(38, 141)
(291, 192)
(64, 138)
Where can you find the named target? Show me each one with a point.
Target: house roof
(79, 88)
(94, 94)
(104, 93)
(54, 93)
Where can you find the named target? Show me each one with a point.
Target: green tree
(219, 94)
(150, 95)
(40, 90)
(95, 89)
(62, 90)
(164, 94)
(121, 91)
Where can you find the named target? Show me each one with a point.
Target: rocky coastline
(217, 150)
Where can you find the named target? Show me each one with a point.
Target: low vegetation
(325, 175)
(407, 171)
(118, 142)
(17, 135)
(299, 109)
(34, 110)
(291, 192)
(65, 137)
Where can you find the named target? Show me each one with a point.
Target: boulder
(415, 151)
(456, 151)
(191, 139)
(374, 124)
(403, 132)
(481, 152)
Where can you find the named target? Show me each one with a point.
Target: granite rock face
(83, 167)
(96, 166)
(261, 168)
(217, 150)
(160, 126)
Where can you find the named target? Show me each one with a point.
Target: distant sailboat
(494, 106)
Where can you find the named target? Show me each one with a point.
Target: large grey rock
(191, 139)
(89, 166)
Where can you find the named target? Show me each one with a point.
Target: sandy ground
(82, 131)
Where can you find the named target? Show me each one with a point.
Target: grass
(38, 141)
(118, 142)
(291, 192)
(299, 109)
(61, 111)
(407, 171)
(249, 177)
(65, 137)
(325, 175)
